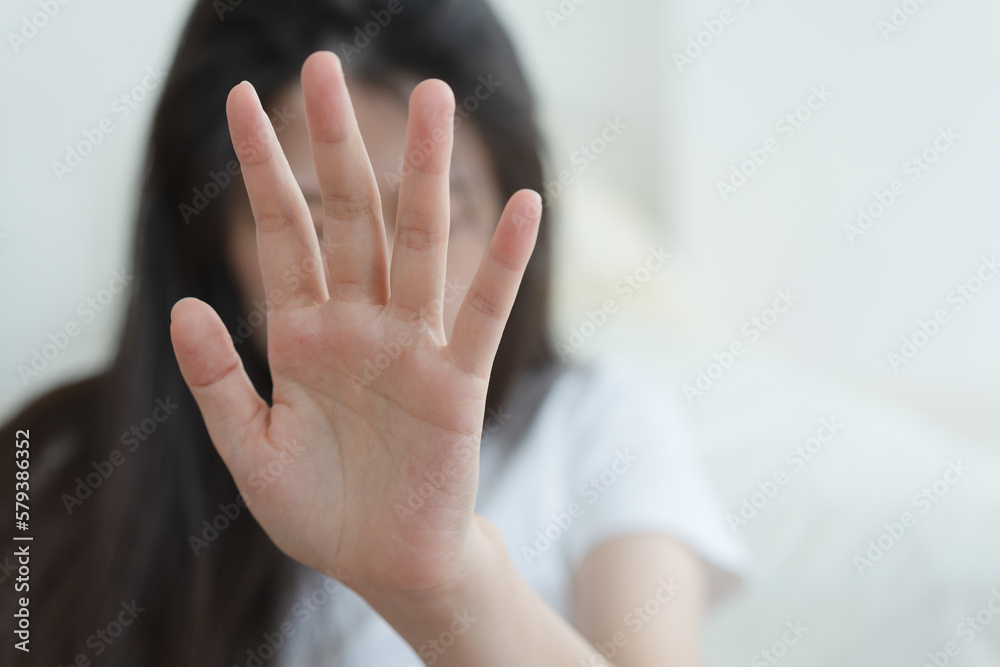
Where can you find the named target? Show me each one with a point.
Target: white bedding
(904, 608)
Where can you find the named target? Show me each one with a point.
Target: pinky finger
(483, 314)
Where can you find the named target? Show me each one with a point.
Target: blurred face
(475, 198)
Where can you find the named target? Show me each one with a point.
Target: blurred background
(826, 180)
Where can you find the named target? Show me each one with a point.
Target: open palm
(366, 463)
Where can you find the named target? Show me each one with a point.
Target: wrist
(483, 573)
(485, 615)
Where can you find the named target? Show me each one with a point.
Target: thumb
(233, 411)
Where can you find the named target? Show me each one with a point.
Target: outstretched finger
(353, 232)
(420, 245)
(483, 314)
(233, 411)
(286, 237)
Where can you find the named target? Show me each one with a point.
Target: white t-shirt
(602, 452)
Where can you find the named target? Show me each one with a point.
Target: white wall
(786, 227)
(65, 237)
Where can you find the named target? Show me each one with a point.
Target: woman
(404, 346)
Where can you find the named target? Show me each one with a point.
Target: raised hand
(378, 470)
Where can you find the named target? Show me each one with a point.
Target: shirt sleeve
(634, 470)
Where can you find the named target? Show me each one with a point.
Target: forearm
(490, 616)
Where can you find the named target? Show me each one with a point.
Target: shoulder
(632, 465)
(607, 395)
(605, 421)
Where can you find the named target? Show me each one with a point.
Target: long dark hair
(141, 554)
